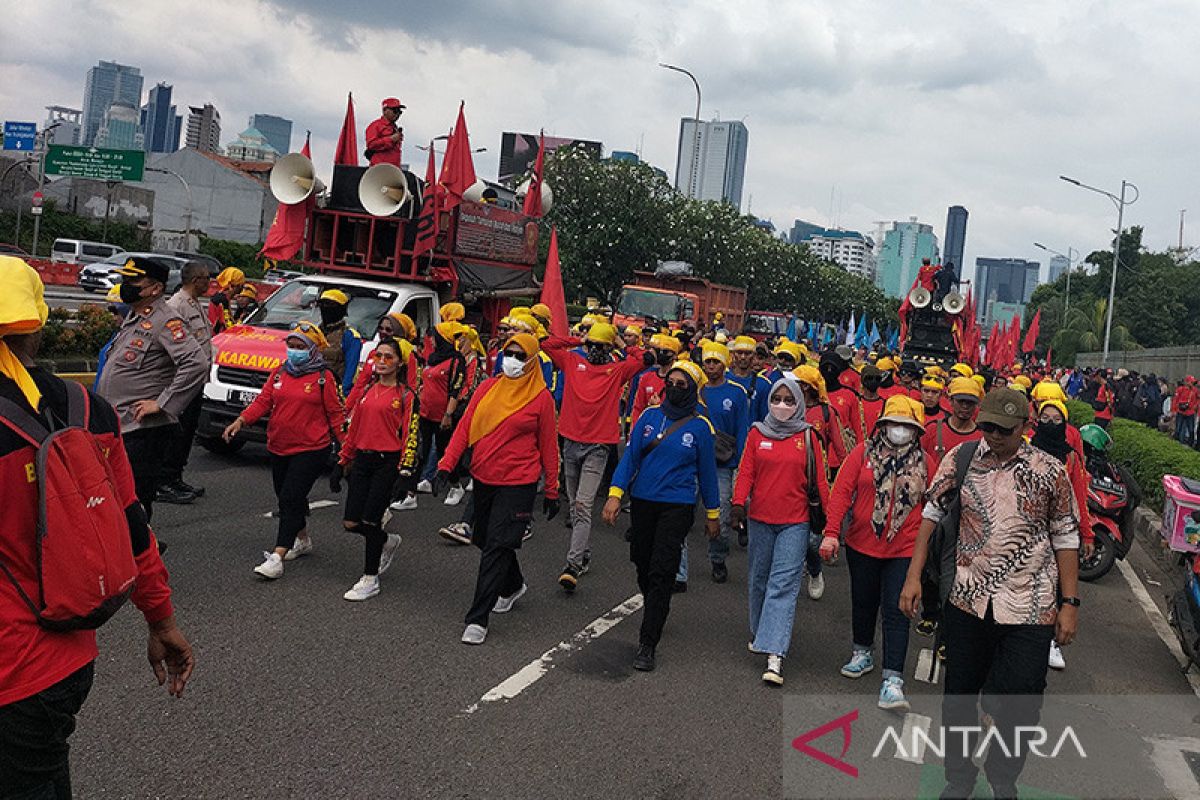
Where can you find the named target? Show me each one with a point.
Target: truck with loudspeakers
(361, 237)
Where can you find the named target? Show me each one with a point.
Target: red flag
(993, 343)
(1014, 341)
(286, 236)
(458, 170)
(533, 198)
(347, 145)
(1031, 336)
(427, 227)
(1049, 350)
(552, 289)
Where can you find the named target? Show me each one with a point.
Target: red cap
(391, 102)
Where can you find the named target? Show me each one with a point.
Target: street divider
(54, 273)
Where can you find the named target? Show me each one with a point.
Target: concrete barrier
(1173, 363)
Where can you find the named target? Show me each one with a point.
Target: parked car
(79, 251)
(12, 250)
(278, 277)
(99, 277)
(214, 266)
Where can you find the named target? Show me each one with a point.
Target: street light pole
(693, 190)
(187, 235)
(1070, 267)
(1120, 202)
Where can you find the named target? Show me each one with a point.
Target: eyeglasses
(519, 355)
(503, 330)
(381, 356)
(994, 429)
(305, 327)
(787, 400)
(786, 360)
(677, 384)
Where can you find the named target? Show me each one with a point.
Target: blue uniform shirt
(758, 389)
(728, 411)
(671, 472)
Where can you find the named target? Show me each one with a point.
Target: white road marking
(312, 506)
(535, 670)
(1172, 767)
(1157, 621)
(908, 739)
(925, 660)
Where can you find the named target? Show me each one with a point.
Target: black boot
(644, 660)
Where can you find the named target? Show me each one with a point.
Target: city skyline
(710, 161)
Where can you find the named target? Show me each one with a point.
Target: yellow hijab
(22, 310)
(507, 396)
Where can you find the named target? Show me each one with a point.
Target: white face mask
(512, 367)
(782, 411)
(900, 435)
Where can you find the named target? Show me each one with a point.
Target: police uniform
(195, 319)
(153, 357)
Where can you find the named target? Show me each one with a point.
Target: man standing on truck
(384, 138)
(345, 345)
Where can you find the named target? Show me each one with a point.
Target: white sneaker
(471, 485)
(272, 568)
(425, 487)
(366, 588)
(457, 532)
(389, 552)
(407, 504)
(454, 496)
(774, 672)
(302, 547)
(816, 586)
(505, 604)
(474, 634)
(1056, 656)
(387, 517)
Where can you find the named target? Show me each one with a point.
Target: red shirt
(591, 405)
(871, 411)
(850, 379)
(518, 451)
(772, 478)
(649, 386)
(853, 495)
(1185, 401)
(845, 402)
(439, 384)
(412, 377)
(32, 658)
(1104, 395)
(385, 420)
(379, 142)
(828, 428)
(304, 413)
(950, 439)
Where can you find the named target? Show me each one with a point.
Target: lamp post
(695, 168)
(187, 234)
(1070, 266)
(1120, 202)
(41, 160)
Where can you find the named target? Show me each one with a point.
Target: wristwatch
(1068, 601)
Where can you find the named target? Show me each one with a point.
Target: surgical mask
(130, 294)
(298, 357)
(597, 354)
(900, 435)
(512, 367)
(782, 411)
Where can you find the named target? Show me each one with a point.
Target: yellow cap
(715, 350)
(335, 296)
(718, 316)
(962, 369)
(230, 276)
(692, 370)
(982, 381)
(1024, 381)
(408, 328)
(1048, 389)
(932, 382)
(743, 344)
(542, 311)
(902, 409)
(886, 363)
(636, 330)
(310, 331)
(602, 333)
(792, 349)
(1056, 403)
(810, 375)
(451, 330)
(452, 312)
(661, 341)
(965, 386)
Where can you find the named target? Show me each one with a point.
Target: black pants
(294, 477)
(176, 458)
(875, 585)
(1011, 660)
(431, 431)
(34, 752)
(655, 547)
(146, 449)
(371, 477)
(501, 514)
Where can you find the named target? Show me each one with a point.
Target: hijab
(901, 474)
(1052, 439)
(443, 349)
(675, 408)
(774, 428)
(315, 361)
(22, 310)
(506, 396)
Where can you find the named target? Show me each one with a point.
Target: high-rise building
(904, 247)
(251, 145)
(1058, 266)
(277, 130)
(956, 238)
(160, 125)
(68, 121)
(1001, 284)
(204, 128)
(801, 230)
(711, 160)
(108, 82)
(120, 128)
(850, 250)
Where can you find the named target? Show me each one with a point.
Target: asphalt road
(298, 693)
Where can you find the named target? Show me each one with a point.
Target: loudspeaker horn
(547, 195)
(383, 190)
(480, 192)
(293, 179)
(954, 303)
(920, 297)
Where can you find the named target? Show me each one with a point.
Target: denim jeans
(583, 465)
(875, 583)
(1185, 428)
(776, 569)
(718, 548)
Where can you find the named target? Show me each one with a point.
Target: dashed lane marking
(535, 670)
(312, 506)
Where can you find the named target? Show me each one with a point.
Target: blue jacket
(351, 351)
(728, 411)
(758, 389)
(671, 472)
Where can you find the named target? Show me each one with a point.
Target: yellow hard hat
(602, 333)
(335, 296)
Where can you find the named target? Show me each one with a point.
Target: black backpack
(942, 560)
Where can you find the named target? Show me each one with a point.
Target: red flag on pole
(286, 236)
(1049, 350)
(1014, 341)
(1031, 336)
(533, 198)
(427, 227)
(347, 145)
(992, 344)
(458, 170)
(552, 289)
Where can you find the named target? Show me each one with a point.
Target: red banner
(491, 232)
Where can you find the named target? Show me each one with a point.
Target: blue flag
(875, 337)
(861, 333)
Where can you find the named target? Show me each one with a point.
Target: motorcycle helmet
(1095, 437)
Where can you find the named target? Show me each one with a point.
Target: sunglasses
(503, 330)
(993, 428)
(378, 356)
(519, 355)
(305, 327)
(677, 384)
(786, 360)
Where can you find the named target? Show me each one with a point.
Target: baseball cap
(391, 102)
(1007, 408)
(142, 266)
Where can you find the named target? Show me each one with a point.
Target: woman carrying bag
(780, 487)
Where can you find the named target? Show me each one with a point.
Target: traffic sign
(36, 203)
(20, 136)
(95, 162)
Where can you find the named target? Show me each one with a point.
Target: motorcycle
(1113, 494)
(1185, 613)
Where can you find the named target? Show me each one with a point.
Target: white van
(78, 251)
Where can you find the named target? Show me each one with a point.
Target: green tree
(1084, 333)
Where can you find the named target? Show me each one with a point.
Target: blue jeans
(1185, 429)
(718, 548)
(875, 584)
(776, 570)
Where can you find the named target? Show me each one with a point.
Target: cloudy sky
(857, 111)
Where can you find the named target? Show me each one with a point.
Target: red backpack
(85, 565)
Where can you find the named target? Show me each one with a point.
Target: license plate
(242, 398)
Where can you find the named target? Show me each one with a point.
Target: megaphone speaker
(383, 190)
(293, 179)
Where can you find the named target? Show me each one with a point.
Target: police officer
(186, 303)
(345, 345)
(384, 137)
(155, 367)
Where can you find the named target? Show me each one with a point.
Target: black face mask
(872, 384)
(681, 396)
(130, 294)
(331, 314)
(1053, 431)
(597, 354)
(664, 358)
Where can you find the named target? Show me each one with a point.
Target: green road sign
(95, 162)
